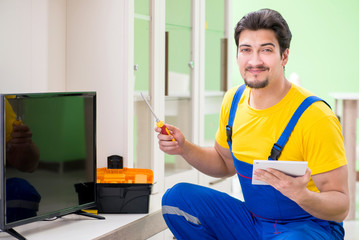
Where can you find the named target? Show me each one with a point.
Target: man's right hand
(165, 141)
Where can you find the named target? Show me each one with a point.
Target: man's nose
(255, 59)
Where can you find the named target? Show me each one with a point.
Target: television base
(13, 233)
(80, 212)
(18, 236)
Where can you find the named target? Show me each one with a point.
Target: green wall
(324, 45)
(141, 44)
(214, 32)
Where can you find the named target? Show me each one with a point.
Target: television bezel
(53, 214)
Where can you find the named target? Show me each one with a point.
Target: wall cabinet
(189, 41)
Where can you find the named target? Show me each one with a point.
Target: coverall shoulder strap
(279, 145)
(232, 112)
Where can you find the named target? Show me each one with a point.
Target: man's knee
(171, 196)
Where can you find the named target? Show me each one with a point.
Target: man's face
(259, 59)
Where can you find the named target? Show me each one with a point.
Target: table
(347, 103)
(76, 227)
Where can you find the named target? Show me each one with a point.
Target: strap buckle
(229, 133)
(275, 152)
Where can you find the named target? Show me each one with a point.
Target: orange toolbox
(123, 190)
(124, 175)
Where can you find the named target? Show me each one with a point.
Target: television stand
(80, 212)
(18, 236)
(13, 233)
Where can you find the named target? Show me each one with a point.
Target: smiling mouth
(256, 70)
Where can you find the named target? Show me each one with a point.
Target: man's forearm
(206, 160)
(331, 205)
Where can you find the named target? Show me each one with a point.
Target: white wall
(56, 45)
(23, 45)
(73, 45)
(97, 59)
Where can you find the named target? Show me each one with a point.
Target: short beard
(257, 85)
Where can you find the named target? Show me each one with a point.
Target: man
(308, 207)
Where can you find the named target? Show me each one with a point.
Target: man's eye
(245, 50)
(267, 50)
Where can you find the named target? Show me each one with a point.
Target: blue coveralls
(197, 212)
(22, 200)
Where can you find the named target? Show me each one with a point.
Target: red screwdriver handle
(164, 129)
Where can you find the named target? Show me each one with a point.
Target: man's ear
(285, 57)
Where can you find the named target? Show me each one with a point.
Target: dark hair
(266, 19)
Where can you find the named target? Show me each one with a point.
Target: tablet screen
(292, 168)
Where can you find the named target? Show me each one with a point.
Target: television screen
(48, 151)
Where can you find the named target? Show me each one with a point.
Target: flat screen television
(48, 156)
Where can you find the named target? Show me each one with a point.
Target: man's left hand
(291, 187)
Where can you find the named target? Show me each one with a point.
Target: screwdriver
(159, 123)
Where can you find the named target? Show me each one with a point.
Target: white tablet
(292, 168)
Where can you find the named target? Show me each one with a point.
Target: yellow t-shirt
(316, 138)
